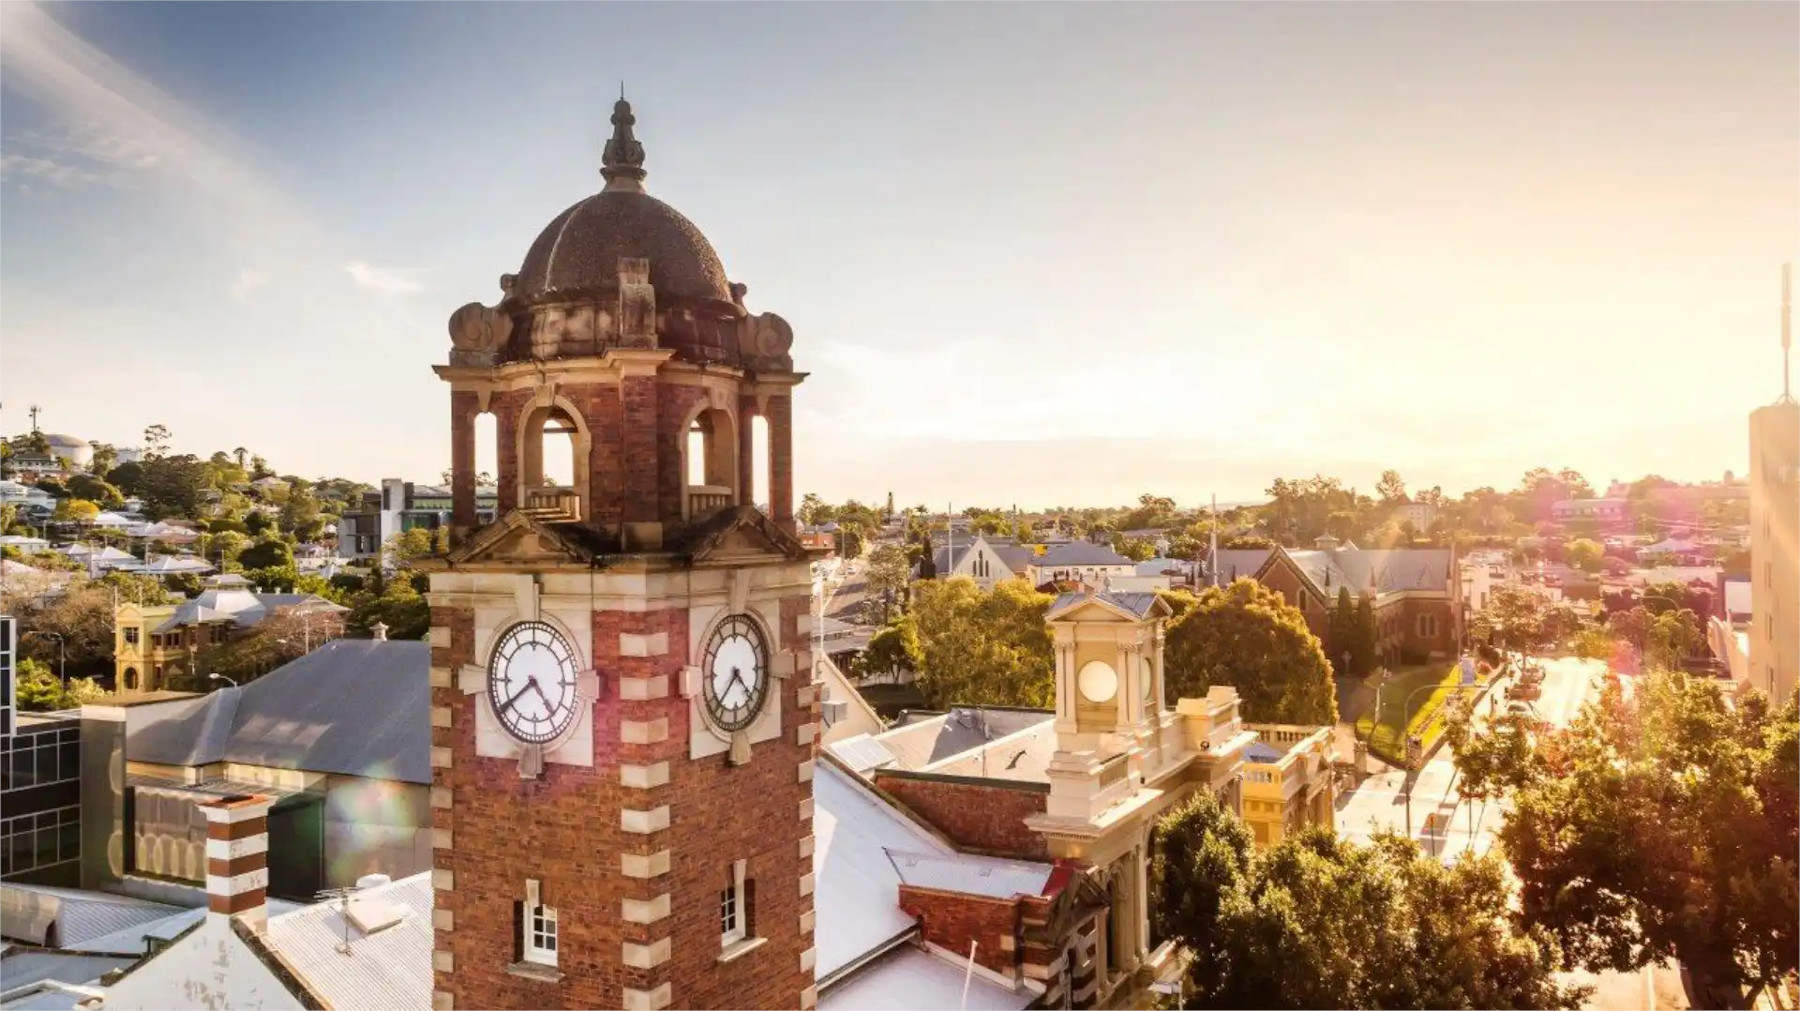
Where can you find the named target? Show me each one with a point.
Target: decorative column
(746, 435)
(781, 460)
(463, 409)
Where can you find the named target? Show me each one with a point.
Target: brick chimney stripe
(249, 881)
(218, 829)
(231, 849)
(239, 903)
(233, 868)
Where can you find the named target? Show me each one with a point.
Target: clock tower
(623, 710)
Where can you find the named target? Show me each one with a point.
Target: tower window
(540, 935)
(734, 911)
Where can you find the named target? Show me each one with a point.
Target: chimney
(378, 631)
(237, 857)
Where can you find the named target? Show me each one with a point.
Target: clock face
(531, 682)
(1097, 681)
(734, 673)
(1149, 678)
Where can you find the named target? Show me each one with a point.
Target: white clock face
(531, 682)
(1097, 681)
(734, 673)
(1149, 677)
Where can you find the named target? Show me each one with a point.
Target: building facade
(623, 708)
(1287, 781)
(400, 506)
(1775, 549)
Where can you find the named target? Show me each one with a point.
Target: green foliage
(1300, 510)
(1584, 554)
(256, 523)
(893, 648)
(174, 486)
(1322, 922)
(885, 576)
(983, 647)
(1137, 550)
(850, 542)
(137, 587)
(39, 691)
(75, 510)
(87, 486)
(1663, 825)
(399, 606)
(82, 616)
(268, 553)
(1246, 636)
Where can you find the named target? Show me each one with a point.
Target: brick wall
(565, 830)
(977, 816)
(951, 920)
(673, 406)
(639, 445)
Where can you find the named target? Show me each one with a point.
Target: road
(1379, 802)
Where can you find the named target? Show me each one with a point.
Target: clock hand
(548, 705)
(739, 680)
(516, 697)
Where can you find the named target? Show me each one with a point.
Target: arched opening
(487, 451)
(709, 463)
(759, 462)
(553, 460)
(131, 679)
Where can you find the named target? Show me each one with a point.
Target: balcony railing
(554, 502)
(705, 499)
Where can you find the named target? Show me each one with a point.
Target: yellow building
(1287, 781)
(154, 643)
(142, 657)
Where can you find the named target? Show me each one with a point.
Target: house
(400, 506)
(334, 739)
(26, 496)
(152, 642)
(1604, 510)
(23, 544)
(1422, 515)
(1078, 563)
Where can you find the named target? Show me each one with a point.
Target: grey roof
(243, 608)
(1239, 562)
(940, 736)
(22, 967)
(1079, 553)
(1138, 603)
(1016, 556)
(352, 707)
(79, 915)
(1388, 571)
(1262, 751)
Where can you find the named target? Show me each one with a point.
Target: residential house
(400, 506)
(152, 641)
(1079, 563)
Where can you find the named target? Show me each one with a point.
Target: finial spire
(622, 163)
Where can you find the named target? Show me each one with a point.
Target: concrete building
(1774, 660)
(400, 506)
(1287, 781)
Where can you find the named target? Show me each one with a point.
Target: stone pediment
(521, 538)
(741, 534)
(1105, 605)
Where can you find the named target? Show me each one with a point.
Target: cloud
(393, 282)
(248, 280)
(55, 173)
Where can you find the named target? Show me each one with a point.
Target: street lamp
(216, 676)
(62, 660)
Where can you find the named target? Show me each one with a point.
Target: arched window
(131, 679)
(710, 462)
(553, 460)
(759, 469)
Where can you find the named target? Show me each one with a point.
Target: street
(1379, 802)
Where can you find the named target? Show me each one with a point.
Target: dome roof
(582, 247)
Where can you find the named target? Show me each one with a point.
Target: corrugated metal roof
(910, 979)
(390, 968)
(861, 753)
(79, 915)
(969, 874)
(354, 707)
(858, 889)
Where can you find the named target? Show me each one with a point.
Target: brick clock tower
(623, 712)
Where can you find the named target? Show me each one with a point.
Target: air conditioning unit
(833, 710)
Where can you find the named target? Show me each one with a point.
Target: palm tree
(241, 453)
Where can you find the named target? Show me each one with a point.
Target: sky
(1032, 254)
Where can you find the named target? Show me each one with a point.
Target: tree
(983, 647)
(267, 553)
(156, 442)
(893, 648)
(399, 605)
(82, 617)
(257, 523)
(1246, 636)
(174, 486)
(39, 691)
(300, 512)
(1584, 554)
(89, 487)
(886, 575)
(1320, 921)
(1391, 489)
(1663, 825)
(75, 510)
